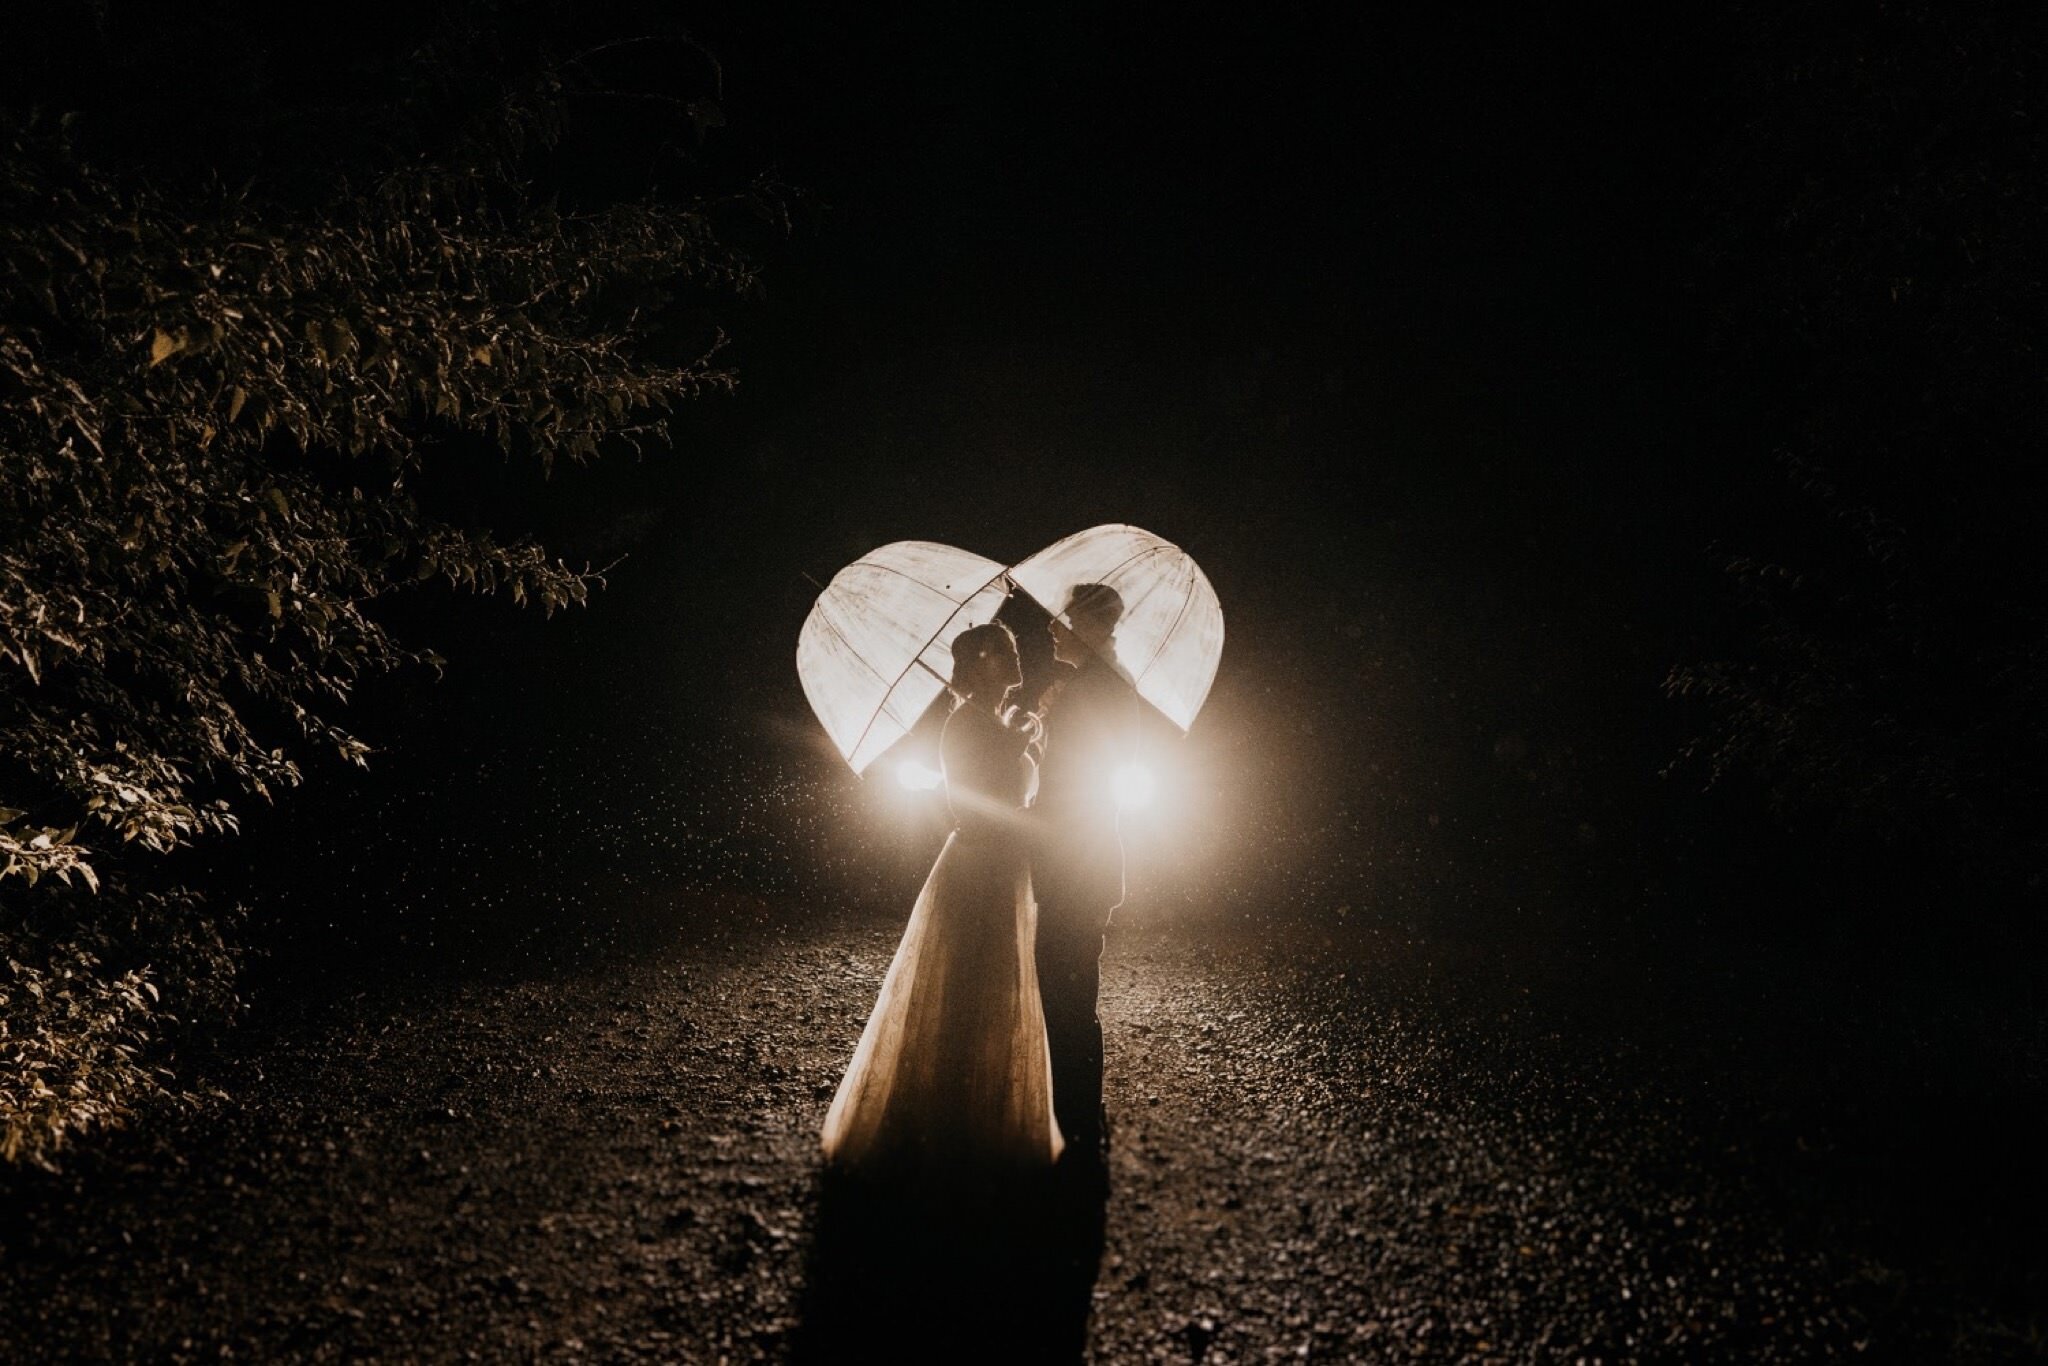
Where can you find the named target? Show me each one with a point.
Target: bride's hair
(973, 647)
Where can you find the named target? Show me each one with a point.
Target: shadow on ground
(993, 1269)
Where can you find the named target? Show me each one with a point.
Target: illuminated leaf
(148, 547)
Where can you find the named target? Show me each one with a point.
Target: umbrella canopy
(1170, 638)
(877, 646)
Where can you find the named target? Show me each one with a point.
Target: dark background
(1397, 324)
(1464, 350)
(1387, 322)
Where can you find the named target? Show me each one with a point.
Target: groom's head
(1087, 624)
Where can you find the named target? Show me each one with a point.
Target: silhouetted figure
(1090, 722)
(941, 1233)
(952, 1069)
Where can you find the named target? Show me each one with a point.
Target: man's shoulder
(1089, 689)
(1101, 675)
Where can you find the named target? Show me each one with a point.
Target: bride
(952, 1069)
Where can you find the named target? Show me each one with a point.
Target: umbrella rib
(1128, 561)
(960, 602)
(916, 658)
(832, 626)
(1187, 600)
(1114, 569)
(851, 648)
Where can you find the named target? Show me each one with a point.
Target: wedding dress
(952, 1069)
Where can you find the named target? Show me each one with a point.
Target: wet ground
(1449, 1064)
(1385, 1149)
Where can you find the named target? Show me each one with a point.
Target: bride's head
(985, 665)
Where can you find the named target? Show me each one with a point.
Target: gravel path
(1366, 1154)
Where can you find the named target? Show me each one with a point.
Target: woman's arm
(1030, 725)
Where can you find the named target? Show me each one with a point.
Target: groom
(1091, 715)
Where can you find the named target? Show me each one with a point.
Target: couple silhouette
(984, 1048)
(967, 1145)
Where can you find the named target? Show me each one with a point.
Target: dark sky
(1302, 295)
(1385, 323)
(1387, 317)
(1411, 325)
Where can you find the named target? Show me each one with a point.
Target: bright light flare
(1135, 787)
(915, 777)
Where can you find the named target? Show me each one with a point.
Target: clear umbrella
(877, 646)
(1170, 637)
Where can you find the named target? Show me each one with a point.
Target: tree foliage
(224, 380)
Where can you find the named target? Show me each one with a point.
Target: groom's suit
(1078, 875)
